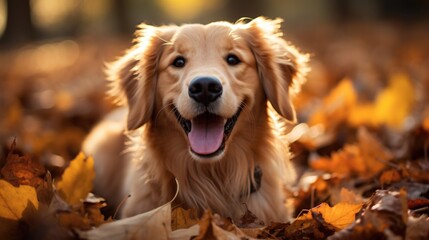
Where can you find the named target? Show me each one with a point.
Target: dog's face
(205, 77)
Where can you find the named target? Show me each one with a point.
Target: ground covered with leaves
(361, 147)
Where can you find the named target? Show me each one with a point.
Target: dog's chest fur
(224, 186)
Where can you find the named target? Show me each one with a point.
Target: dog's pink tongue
(206, 134)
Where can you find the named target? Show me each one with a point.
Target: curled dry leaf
(22, 170)
(155, 224)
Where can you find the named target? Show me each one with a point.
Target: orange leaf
(340, 216)
(336, 105)
(390, 176)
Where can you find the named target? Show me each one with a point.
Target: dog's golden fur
(156, 93)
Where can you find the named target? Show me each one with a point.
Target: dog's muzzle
(207, 133)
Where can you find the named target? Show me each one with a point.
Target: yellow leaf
(391, 106)
(14, 200)
(77, 179)
(340, 216)
(395, 102)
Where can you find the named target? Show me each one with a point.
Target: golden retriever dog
(204, 105)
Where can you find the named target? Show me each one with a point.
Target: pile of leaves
(364, 189)
(361, 148)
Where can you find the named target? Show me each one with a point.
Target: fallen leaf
(390, 176)
(14, 200)
(250, 220)
(340, 216)
(336, 106)
(365, 158)
(73, 220)
(22, 170)
(181, 218)
(391, 107)
(16, 203)
(217, 227)
(417, 228)
(395, 102)
(383, 217)
(76, 181)
(426, 124)
(155, 224)
(345, 195)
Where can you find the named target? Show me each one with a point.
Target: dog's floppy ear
(281, 67)
(133, 76)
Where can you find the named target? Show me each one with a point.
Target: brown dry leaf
(309, 226)
(417, 228)
(365, 158)
(217, 227)
(374, 154)
(340, 216)
(418, 203)
(345, 195)
(16, 203)
(250, 220)
(425, 124)
(22, 170)
(76, 181)
(335, 106)
(94, 215)
(181, 218)
(390, 176)
(73, 220)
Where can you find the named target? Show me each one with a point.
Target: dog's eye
(232, 60)
(179, 62)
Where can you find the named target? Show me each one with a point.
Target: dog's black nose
(205, 89)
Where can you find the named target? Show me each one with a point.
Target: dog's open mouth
(207, 133)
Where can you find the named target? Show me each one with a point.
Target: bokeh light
(3, 15)
(184, 10)
(51, 15)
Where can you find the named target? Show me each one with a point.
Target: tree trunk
(19, 27)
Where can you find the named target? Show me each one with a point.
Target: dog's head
(204, 77)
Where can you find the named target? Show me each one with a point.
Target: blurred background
(52, 55)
